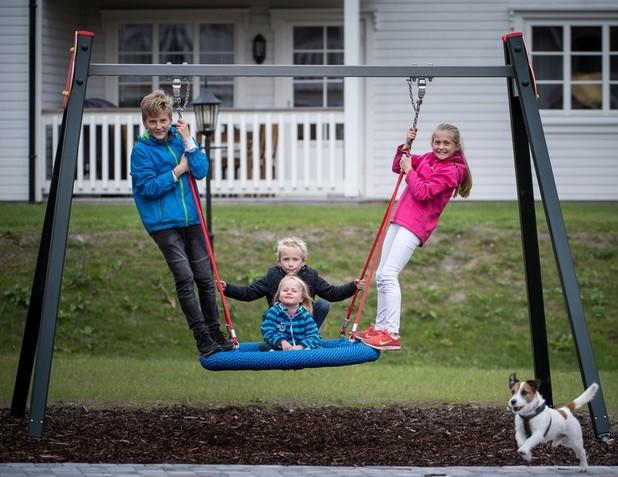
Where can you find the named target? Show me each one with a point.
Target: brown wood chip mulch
(442, 436)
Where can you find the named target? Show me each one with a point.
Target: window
(576, 65)
(174, 43)
(175, 46)
(135, 46)
(217, 47)
(318, 45)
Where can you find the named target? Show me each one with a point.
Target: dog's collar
(538, 410)
(535, 413)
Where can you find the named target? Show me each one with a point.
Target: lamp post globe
(206, 108)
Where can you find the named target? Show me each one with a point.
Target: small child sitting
(292, 259)
(288, 324)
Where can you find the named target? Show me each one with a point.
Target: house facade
(313, 137)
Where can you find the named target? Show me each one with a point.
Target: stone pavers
(190, 470)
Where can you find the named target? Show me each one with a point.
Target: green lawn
(464, 302)
(96, 381)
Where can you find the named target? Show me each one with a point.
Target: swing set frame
(527, 132)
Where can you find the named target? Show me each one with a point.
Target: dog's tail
(583, 398)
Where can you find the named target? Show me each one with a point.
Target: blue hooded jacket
(161, 202)
(299, 329)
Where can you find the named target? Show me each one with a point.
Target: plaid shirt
(298, 329)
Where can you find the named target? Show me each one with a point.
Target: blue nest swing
(334, 352)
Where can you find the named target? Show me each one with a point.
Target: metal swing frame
(527, 133)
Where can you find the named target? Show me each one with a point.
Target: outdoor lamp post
(206, 107)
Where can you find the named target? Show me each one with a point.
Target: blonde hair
(156, 103)
(292, 242)
(305, 299)
(463, 189)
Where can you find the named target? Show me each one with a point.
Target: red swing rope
(372, 261)
(374, 264)
(176, 85)
(215, 269)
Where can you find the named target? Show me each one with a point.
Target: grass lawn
(107, 381)
(464, 314)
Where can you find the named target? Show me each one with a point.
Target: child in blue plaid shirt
(288, 324)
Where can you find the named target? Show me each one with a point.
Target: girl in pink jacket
(431, 180)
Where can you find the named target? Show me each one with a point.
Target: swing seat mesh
(334, 352)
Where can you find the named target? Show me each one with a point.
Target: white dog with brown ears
(536, 423)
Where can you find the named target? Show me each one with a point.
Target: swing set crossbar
(117, 69)
(529, 148)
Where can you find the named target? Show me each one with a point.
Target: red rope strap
(374, 264)
(215, 269)
(370, 260)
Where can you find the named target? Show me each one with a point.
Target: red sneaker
(369, 331)
(383, 340)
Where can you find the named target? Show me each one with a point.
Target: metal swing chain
(176, 86)
(421, 89)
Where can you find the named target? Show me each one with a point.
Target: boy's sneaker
(383, 341)
(367, 332)
(207, 350)
(221, 340)
(207, 346)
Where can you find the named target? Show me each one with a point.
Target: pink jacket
(430, 184)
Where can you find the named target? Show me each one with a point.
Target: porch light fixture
(206, 107)
(259, 48)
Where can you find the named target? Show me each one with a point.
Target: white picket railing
(277, 153)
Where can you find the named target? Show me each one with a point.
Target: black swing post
(40, 329)
(527, 131)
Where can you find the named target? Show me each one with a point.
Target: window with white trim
(576, 64)
(318, 45)
(159, 43)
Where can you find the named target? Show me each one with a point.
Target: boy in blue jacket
(162, 161)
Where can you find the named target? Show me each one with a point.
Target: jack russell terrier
(536, 423)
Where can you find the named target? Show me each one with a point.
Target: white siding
(14, 34)
(468, 33)
(257, 92)
(59, 23)
(441, 33)
(584, 158)
(583, 148)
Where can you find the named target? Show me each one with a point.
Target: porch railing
(276, 153)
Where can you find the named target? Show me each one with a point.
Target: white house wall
(14, 34)
(58, 27)
(458, 32)
(452, 32)
(255, 93)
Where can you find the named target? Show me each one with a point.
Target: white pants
(399, 245)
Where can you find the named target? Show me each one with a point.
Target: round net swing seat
(334, 352)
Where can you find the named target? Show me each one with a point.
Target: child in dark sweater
(292, 260)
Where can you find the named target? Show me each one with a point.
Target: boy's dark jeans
(320, 310)
(185, 252)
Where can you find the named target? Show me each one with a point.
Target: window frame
(524, 20)
(283, 22)
(567, 55)
(111, 19)
(323, 81)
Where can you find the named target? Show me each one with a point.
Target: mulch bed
(442, 436)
